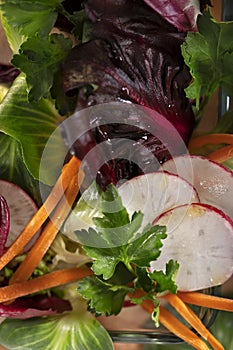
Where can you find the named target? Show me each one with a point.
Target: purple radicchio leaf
(37, 306)
(4, 223)
(8, 73)
(135, 57)
(181, 13)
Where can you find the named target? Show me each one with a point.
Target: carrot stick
(214, 139)
(206, 300)
(190, 316)
(222, 154)
(47, 236)
(50, 280)
(69, 170)
(175, 326)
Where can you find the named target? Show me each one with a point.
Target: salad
(109, 195)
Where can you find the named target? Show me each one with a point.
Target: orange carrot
(47, 236)
(50, 280)
(190, 316)
(214, 139)
(69, 170)
(175, 326)
(222, 154)
(206, 300)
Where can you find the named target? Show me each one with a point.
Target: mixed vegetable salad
(123, 233)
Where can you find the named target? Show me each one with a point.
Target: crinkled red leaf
(4, 223)
(181, 13)
(134, 56)
(36, 306)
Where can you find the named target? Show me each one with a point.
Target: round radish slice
(155, 193)
(21, 207)
(213, 182)
(200, 238)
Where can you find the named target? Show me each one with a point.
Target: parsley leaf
(122, 268)
(104, 298)
(166, 281)
(209, 54)
(117, 239)
(147, 247)
(40, 59)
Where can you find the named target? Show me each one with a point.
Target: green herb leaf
(19, 13)
(104, 298)
(72, 331)
(32, 124)
(117, 239)
(147, 247)
(143, 280)
(40, 58)
(209, 54)
(166, 281)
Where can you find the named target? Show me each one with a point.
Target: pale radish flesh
(200, 238)
(213, 181)
(21, 208)
(154, 193)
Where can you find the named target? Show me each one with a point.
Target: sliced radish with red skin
(200, 238)
(21, 207)
(213, 181)
(154, 193)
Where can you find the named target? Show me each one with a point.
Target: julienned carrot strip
(176, 327)
(47, 236)
(69, 170)
(206, 300)
(190, 316)
(214, 139)
(50, 280)
(222, 154)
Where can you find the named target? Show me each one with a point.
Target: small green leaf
(143, 280)
(209, 53)
(147, 247)
(40, 58)
(104, 298)
(166, 281)
(105, 260)
(155, 314)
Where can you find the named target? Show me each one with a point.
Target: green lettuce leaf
(71, 331)
(12, 167)
(32, 124)
(21, 12)
(40, 58)
(209, 54)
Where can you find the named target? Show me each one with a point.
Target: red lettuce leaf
(181, 13)
(8, 73)
(134, 56)
(37, 306)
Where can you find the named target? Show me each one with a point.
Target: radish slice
(200, 238)
(155, 193)
(213, 182)
(21, 207)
